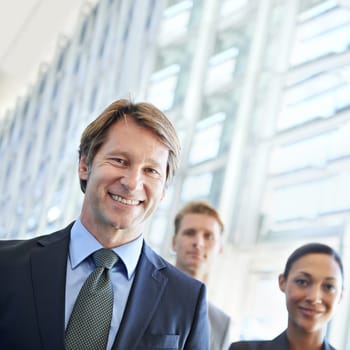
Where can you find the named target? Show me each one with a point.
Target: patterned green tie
(90, 321)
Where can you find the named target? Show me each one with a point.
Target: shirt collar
(82, 244)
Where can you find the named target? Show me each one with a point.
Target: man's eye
(152, 171)
(119, 160)
(209, 237)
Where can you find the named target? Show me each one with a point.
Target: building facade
(259, 92)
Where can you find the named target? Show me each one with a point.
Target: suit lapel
(280, 342)
(143, 300)
(48, 264)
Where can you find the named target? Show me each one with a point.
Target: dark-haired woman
(313, 285)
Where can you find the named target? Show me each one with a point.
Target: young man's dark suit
(162, 307)
(279, 343)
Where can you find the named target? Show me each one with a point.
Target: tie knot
(105, 258)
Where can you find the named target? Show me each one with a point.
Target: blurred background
(259, 91)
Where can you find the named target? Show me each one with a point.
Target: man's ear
(221, 247)
(83, 169)
(282, 282)
(173, 243)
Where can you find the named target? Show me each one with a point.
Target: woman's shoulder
(279, 343)
(251, 345)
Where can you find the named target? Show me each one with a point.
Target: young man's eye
(189, 232)
(209, 237)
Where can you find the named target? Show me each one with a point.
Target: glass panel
(312, 8)
(319, 97)
(197, 186)
(335, 41)
(221, 69)
(175, 21)
(258, 323)
(228, 7)
(319, 25)
(162, 87)
(206, 142)
(206, 186)
(314, 152)
(158, 230)
(309, 200)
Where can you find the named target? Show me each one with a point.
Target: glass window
(312, 8)
(205, 185)
(221, 69)
(161, 90)
(230, 52)
(340, 145)
(53, 214)
(197, 186)
(257, 322)
(309, 200)
(319, 97)
(175, 21)
(229, 7)
(310, 152)
(206, 143)
(335, 41)
(34, 217)
(159, 226)
(321, 35)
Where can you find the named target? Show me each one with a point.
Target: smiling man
(197, 241)
(96, 284)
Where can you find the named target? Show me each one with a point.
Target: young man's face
(197, 243)
(126, 180)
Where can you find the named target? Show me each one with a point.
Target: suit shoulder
(251, 345)
(216, 313)
(169, 270)
(25, 245)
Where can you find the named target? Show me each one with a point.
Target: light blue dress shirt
(80, 265)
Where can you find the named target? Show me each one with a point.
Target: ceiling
(29, 32)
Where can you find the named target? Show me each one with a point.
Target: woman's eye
(301, 282)
(329, 287)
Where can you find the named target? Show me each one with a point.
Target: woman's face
(313, 288)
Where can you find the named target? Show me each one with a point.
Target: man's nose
(131, 179)
(199, 240)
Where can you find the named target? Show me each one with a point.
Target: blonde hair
(197, 207)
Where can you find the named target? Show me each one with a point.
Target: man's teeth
(125, 201)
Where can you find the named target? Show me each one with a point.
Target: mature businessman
(96, 284)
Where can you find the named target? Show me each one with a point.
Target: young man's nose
(199, 241)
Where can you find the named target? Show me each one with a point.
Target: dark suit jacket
(279, 343)
(166, 308)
